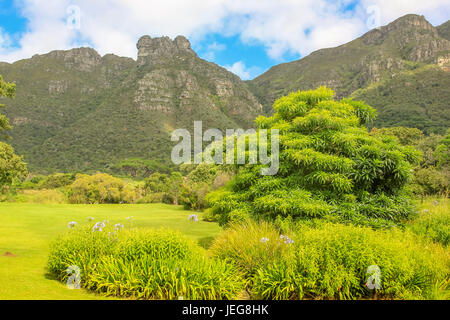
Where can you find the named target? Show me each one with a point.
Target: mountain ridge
(407, 43)
(76, 110)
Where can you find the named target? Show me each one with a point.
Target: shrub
(39, 196)
(100, 188)
(56, 180)
(246, 246)
(193, 195)
(170, 278)
(163, 188)
(330, 261)
(329, 165)
(81, 247)
(200, 181)
(152, 198)
(143, 264)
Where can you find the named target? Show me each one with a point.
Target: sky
(245, 36)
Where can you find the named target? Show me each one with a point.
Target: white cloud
(216, 47)
(241, 70)
(5, 40)
(435, 11)
(212, 49)
(114, 26)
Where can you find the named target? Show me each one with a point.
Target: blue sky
(245, 36)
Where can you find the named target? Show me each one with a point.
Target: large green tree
(11, 165)
(330, 167)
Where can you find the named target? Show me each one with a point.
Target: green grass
(433, 220)
(27, 229)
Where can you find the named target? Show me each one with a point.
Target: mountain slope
(75, 110)
(407, 44)
(444, 30)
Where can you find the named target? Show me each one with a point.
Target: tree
(330, 167)
(100, 188)
(168, 187)
(175, 184)
(442, 152)
(139, 168)
(11, 165)
(406, 136)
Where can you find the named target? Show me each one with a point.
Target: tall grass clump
(143, 264)
(81, 246)
(433, 221)
(330, 261)
(249, 246)
(169, 278)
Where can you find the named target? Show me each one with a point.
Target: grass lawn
(26, 229)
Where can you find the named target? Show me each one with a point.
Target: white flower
(98, 226)
(193, 217)
(287, 240)
(72, 224)
(264, 239)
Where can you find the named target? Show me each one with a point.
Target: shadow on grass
(205, 242)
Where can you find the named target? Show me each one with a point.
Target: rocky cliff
(76, 110)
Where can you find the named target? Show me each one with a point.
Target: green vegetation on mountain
(78, 111)
(401, 69)
(418, 98)
(444, 30)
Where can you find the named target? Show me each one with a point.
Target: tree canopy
(11, 165)
(330, 167)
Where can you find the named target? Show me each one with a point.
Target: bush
(162, 188)
(193, 195)
(52, 196)
(430, 181)
(147, 278)
(152, 198)
(56, 180)
(100, 188)
(200, 181)
(245, 246)
(143, 264)
(330, 261)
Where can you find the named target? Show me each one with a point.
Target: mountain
(78, 111)
(444, 30)
(402, 69)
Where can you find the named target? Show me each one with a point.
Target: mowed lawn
(27, 229)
